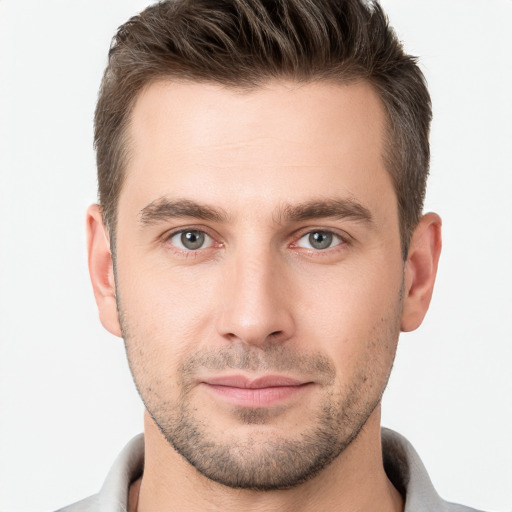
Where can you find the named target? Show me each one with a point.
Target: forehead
(279, 139)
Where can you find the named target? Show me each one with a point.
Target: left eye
(319, 240)
(191, 240)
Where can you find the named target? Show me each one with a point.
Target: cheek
(164, 315)
(353, 316)
(163, 297)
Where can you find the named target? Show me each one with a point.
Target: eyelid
(208, 240)
(344, 238)
(168, 235)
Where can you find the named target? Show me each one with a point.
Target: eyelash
(167, 239)
(336, 238)
(342, 240)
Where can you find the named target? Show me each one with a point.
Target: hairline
(124, 141)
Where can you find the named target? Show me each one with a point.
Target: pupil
(320, 240)
(192, 239)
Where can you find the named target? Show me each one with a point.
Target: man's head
(244, 44)
(260, 282)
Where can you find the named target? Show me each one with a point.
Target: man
(259, 245)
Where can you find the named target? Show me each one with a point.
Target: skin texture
(258, 174)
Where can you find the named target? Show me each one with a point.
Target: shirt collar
(401, 462)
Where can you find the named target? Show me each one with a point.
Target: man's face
(259, 273)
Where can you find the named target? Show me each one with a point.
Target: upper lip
(242, 381)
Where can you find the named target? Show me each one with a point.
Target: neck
(356, 480)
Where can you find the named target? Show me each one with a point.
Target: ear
(101, 270)
(421, 270)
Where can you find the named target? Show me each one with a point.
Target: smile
(267, 391)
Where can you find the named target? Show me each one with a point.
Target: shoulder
(89, 504)
(454, 507)
(408, 474)
(113, 496)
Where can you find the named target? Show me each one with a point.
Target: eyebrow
(163, 209)
(330, 208)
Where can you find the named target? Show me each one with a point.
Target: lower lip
(257, 398)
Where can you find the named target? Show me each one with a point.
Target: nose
(256, 302)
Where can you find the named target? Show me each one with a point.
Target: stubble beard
(274, 462)
(263, 461)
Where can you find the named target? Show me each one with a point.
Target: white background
(67, 403)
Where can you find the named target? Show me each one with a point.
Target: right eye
(190, 240)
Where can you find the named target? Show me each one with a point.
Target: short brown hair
(244, 43)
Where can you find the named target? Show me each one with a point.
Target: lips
(243, 382)
(260, 392)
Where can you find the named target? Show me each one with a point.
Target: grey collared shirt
(403, 467)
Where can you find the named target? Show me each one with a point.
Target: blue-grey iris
(320, 239)
(192, 239)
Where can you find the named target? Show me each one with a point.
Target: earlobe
(101, 270)
(421, 270)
